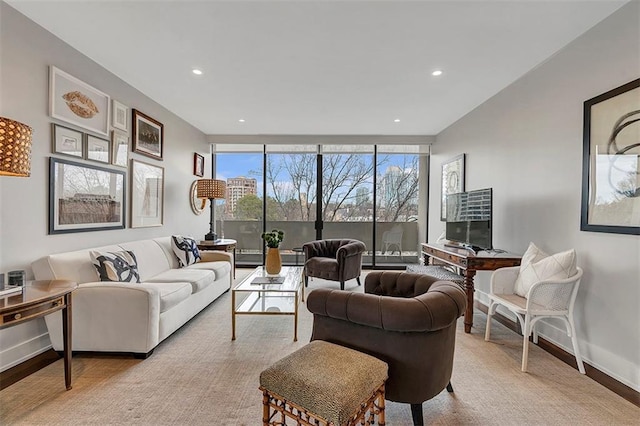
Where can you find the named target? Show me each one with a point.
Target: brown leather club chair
(407, 320)
(335, 260)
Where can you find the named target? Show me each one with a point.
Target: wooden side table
(40, 298)
(224, 244)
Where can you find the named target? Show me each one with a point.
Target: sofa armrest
(438, 308)
(216, 256)
(126, 316)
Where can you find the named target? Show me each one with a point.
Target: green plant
(273, 238)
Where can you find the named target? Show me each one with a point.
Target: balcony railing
(403, 249)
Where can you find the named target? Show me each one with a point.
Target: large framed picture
(147, 194)
(67, 141)
(98, 149)
(452, 181)
(611, 161)
(75, 102)
(148, 135)
(84, 197)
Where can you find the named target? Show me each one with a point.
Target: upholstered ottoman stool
(438, 272)
(324, 384)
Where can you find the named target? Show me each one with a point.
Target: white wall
(526, 143)
(26, 51)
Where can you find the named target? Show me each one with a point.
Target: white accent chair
(392, 238)
(546, 299)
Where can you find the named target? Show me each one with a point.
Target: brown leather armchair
(407, 320)
(334, 260)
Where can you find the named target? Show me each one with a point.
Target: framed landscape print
(84, 197)
(147, 194)
(452, 181)
(148, 135)
(119, 115)
(119, 148)
(75, 102)
(98, 149)
(611, 161)
(198, 164)
(67, 141)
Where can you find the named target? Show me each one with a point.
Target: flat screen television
(469, 216)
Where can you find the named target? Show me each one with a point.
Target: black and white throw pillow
(186, 249)
(116, 266)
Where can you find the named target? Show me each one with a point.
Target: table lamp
(212, 189)
(15, 148)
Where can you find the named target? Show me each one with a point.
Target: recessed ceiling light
(241, 120)
(196, 71)
(397, 120)
(436, 73)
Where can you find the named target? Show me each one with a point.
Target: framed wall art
(611, 161)
(452, 181)
(119, 115)
(119, 148)
(84, 197)
(198, 164)
(148, 135)
(98, 149)
(75, 102)
(147, 194)
(67, 141)
(197, 204)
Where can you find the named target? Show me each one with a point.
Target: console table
(469, 263)
(37, 299)
(223, 245)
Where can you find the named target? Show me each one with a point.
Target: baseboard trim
(605, 380)
(30, 366)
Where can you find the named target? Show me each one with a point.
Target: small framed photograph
(198, 164)
(147, 194)
(84, 197)
(119, 114)
(119, 148)
(75, 102)
(452, 181)
(98, 149)
(67, 141)
(148, 135)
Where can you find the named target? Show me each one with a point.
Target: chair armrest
(216, 256)
(353, 248)
(555, 295)
(434, 310)
(503, 280)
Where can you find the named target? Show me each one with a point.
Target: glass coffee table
(269, 298)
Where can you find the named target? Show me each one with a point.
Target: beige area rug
(198, 376)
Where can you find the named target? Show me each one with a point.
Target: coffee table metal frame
(269, 299)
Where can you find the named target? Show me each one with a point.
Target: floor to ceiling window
(372, 193)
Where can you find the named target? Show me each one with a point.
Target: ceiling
(318, 67)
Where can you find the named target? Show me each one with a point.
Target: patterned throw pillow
(186, 249)
(116, 266)
(537, 266)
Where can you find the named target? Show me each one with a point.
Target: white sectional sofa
(133, 317)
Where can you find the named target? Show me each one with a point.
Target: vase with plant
(273, 262)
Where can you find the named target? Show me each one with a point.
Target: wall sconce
(15, 148)
(212, 189)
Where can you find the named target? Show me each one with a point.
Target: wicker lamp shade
(211, 188)
(15, 148)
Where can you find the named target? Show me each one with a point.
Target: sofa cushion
(171, 294)
(116, 266)
(537, 266)
(220, 269)
(186, 249)
(198, 278)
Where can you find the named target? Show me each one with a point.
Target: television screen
(469, 216)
